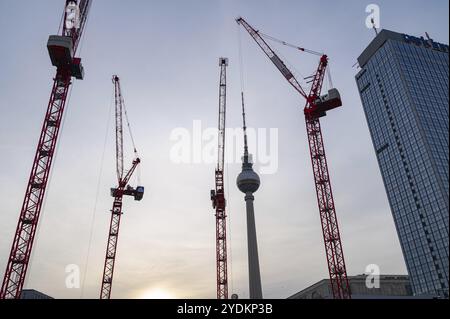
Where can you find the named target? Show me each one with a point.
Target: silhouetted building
(404, 85)
(33, 294)
(391, 287)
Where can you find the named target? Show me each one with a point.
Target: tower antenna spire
(244, 128)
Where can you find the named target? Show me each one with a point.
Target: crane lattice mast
(218, 195)
(123, 189)
(62, 49)
(315, 108)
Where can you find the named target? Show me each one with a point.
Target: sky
(166, 54)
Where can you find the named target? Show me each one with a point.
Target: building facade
(390, 287)
(404, 85)
(33, 294)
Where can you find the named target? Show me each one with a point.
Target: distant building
(404, 89)
(33, 294)
(391, 287)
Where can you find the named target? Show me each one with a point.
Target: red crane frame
(113, 234)
(122, 190)
(333, 246)
(218, 195)
(19, 257)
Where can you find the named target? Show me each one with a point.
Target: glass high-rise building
(404, 88)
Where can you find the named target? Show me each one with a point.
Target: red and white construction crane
(218, 195)
(62, 49)
(123, 189)
(316, 107)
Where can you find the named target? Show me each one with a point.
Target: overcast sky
(166, 53)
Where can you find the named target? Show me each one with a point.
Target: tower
(248, 182)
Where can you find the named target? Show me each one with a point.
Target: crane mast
(62, 49)
(119, 127)
(218, 195)
(123, 189)
(315, 108)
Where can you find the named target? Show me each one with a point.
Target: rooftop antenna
(374, 25)
(430, 40)
(246, 155)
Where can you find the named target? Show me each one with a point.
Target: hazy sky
(166, 53)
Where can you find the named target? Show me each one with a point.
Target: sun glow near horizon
(157, 293)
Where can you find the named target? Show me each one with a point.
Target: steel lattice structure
(122, 190)
(218, 195)
(62, 51)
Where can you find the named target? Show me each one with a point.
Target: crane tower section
(123, 189)
(62, 49)
(218, 195)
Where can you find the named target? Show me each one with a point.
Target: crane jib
(282, 67)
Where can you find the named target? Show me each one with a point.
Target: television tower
(248, 182)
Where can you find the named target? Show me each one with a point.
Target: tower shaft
(254, 273)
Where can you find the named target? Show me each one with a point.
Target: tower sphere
(248, 181)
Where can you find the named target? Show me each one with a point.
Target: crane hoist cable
(299, 48)
(289, 44)
(136, 153)
(294, 46)
(129, 130)
(97, 194)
